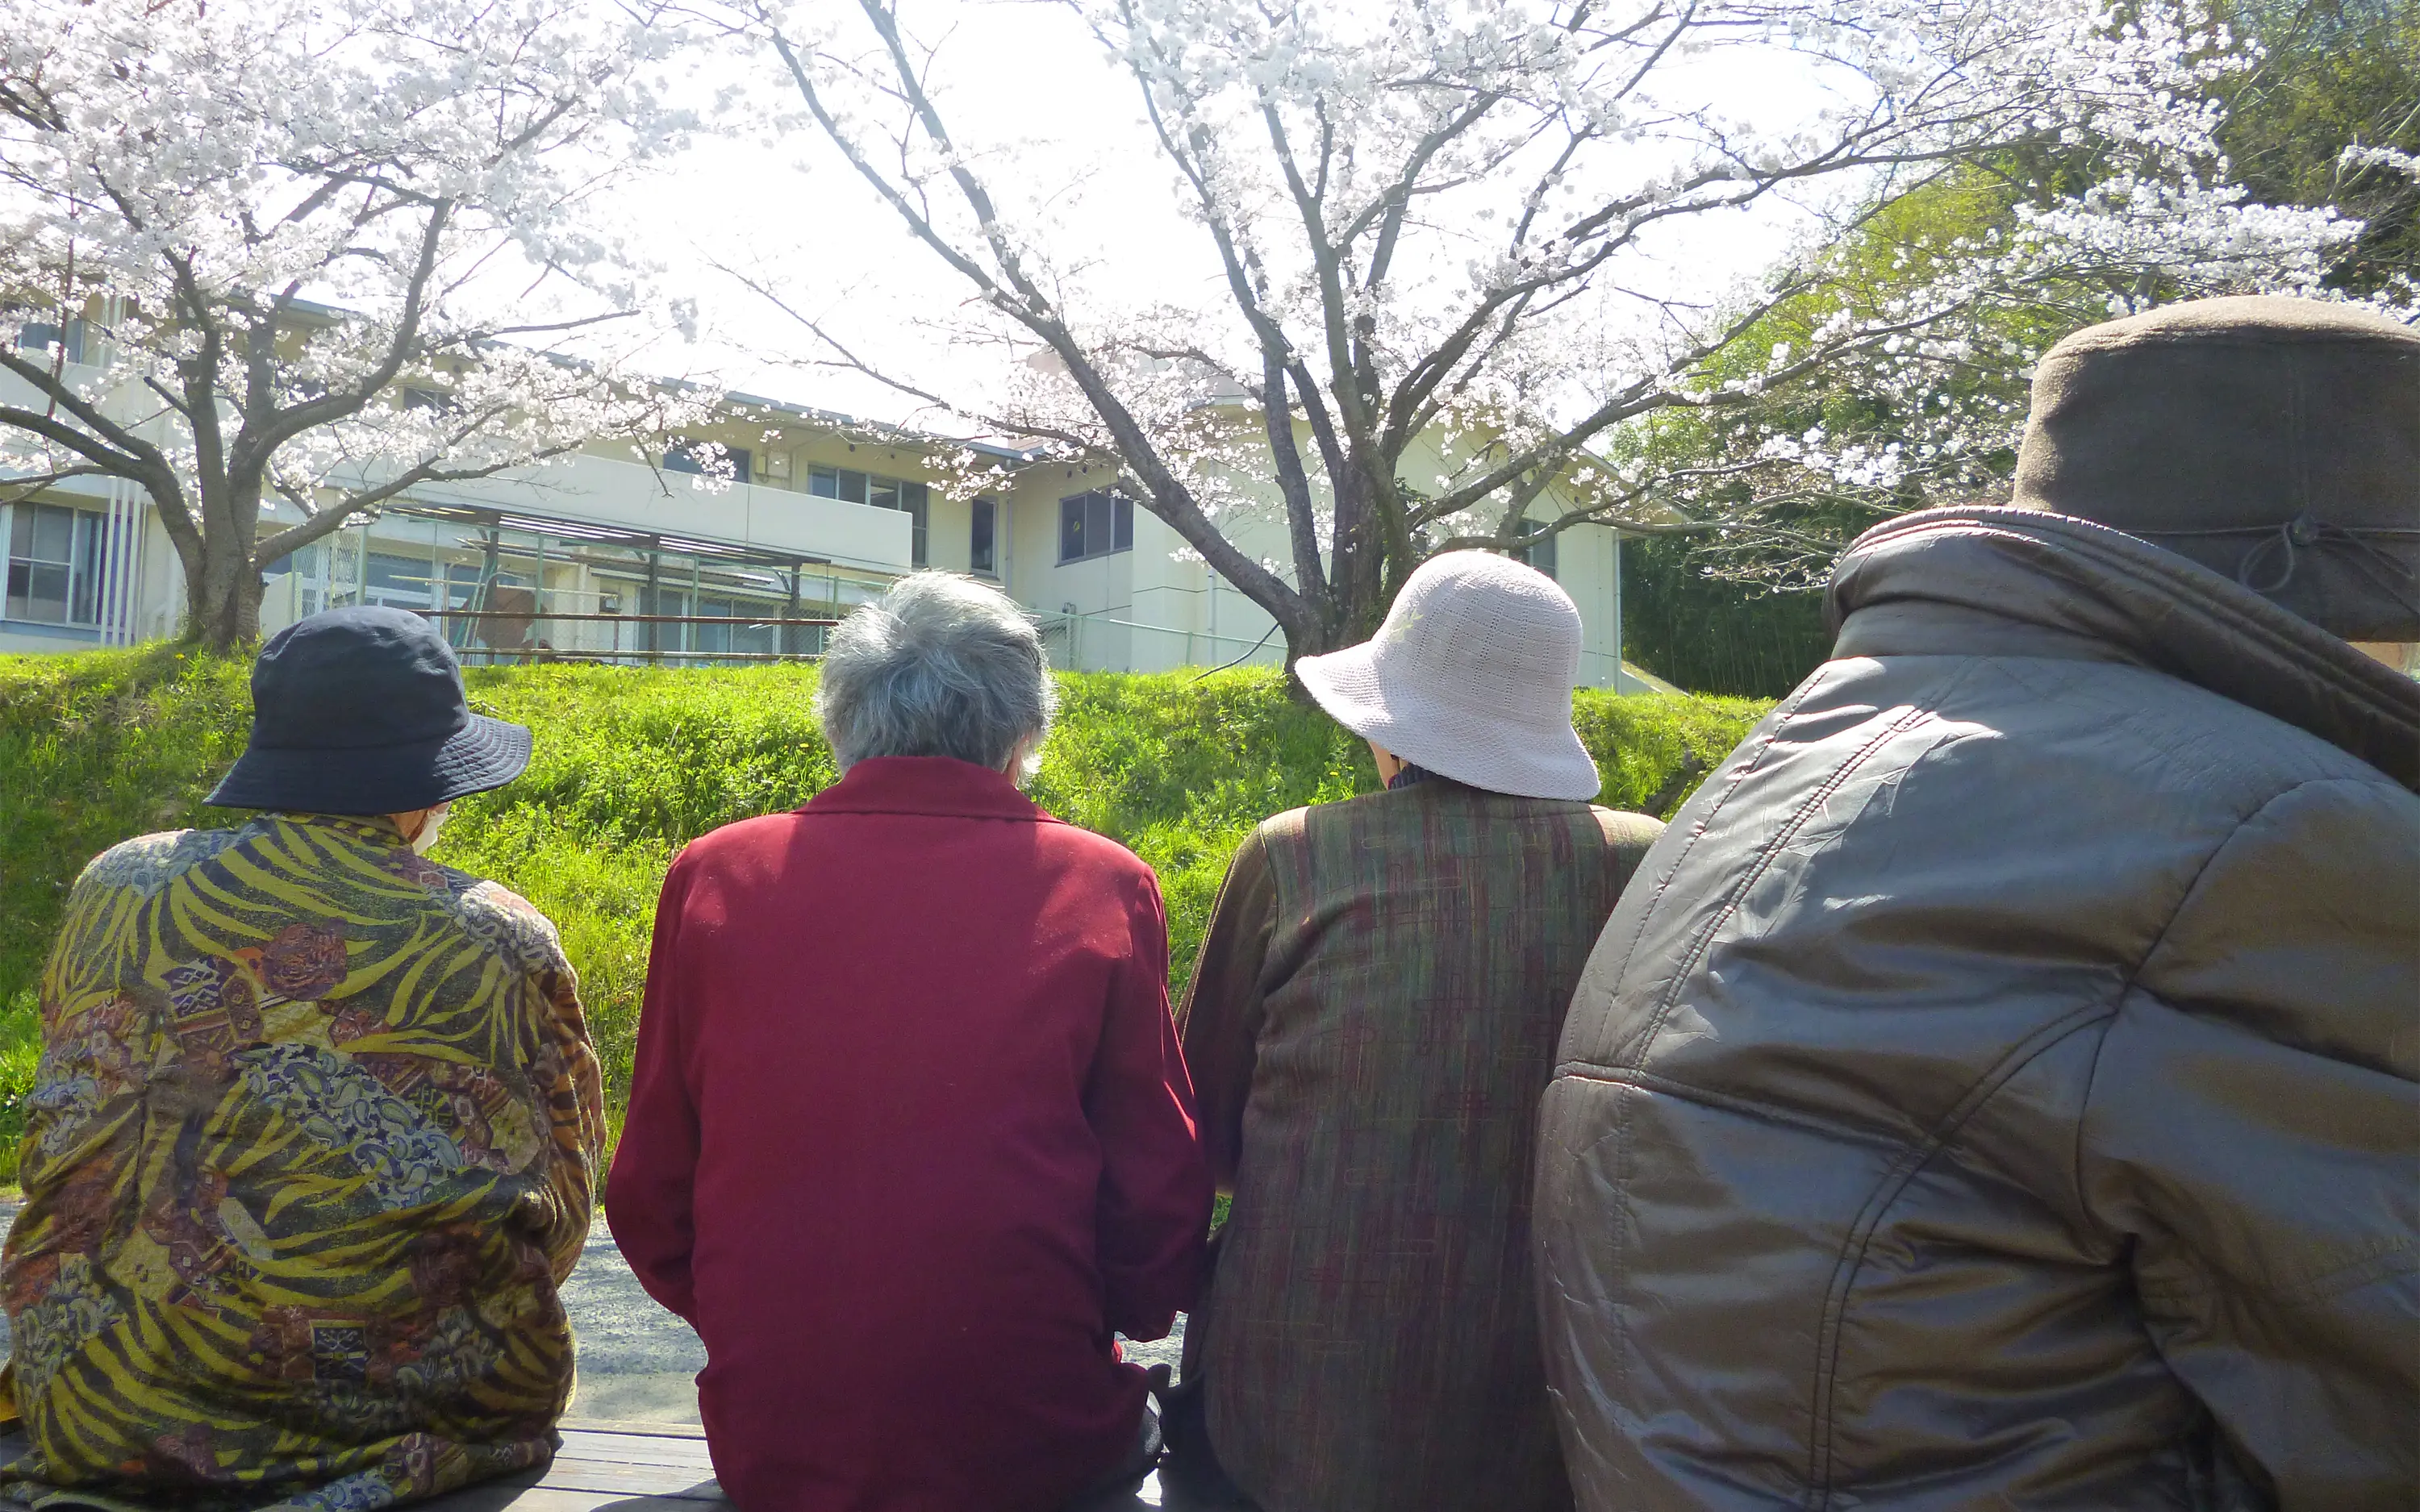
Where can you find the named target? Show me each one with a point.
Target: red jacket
(909, 1134)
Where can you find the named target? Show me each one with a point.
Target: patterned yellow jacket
(309, 1153)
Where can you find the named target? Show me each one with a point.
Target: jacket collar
(926, 786)
(372, 829)
(2025, 582)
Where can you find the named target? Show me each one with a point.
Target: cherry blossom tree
(287, 223)
(1452, 242)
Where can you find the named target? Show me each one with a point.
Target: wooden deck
(629, 1468)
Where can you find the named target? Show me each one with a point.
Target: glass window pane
(1071, 528)
(884, 493)
(53, 534)
(714, 637)
(1122, 538)
(743, 463)
(824, 483)
(1541, 554)
(400, 581)
(46, 593)
(21, 577)
(916, 498)
(83, 607)
(21, 531)
(852, 486)
(979, 552)
(1097, 534)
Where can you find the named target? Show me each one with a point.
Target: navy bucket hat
(360, 711)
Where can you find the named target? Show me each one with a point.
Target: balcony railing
(520, 638)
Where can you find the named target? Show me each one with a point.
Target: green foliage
(1180, 771)
(632, 763)
(1712, 634)
(2335, 73)
(2331, 74)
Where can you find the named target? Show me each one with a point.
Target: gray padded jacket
(1997, 1089)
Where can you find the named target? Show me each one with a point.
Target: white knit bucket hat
(1471, 677)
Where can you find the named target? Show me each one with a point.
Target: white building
(824, 518)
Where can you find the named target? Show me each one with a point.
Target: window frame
(1095, 511)
(81, 573)
(983, 536)
(1547, 544)
(911, 497)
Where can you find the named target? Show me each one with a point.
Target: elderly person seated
(909, 1134)
(312, 1144)
(1371, 1025)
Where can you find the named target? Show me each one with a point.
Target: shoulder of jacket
(2263, 752)
(1626, 830)
(1280, 827)
(150, 862)
(1094, 848)
(508, 924)
(740, 834)
(2386, 814)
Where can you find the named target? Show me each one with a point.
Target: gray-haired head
(940, 664)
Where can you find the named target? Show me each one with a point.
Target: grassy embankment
(632, 763)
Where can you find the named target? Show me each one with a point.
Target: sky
(787, 210)
(768, 197)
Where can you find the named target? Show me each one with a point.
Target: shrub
(630, 763)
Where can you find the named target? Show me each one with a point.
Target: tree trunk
(223, 595)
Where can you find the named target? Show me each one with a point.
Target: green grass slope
(632, 763)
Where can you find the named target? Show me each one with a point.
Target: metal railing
(525, 643)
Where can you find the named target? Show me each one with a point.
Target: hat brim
(1431, 731)
(484, 754)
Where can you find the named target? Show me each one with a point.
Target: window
(740, 636)
(912, 499)
(56, 564)
(396, 581)
(981, 557)
(1541, 555)
(42, 335)
(1093, 525)
(692, 456)
(837, 482)
(437, 401)
(311, 563)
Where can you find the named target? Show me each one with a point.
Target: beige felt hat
(1471, 677)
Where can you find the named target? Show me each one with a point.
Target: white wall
(597, 490)
(1145, 610)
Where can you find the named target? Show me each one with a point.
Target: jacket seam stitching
(2142, 963)
(1877, 1205)
(836, 811)
(2185, 896)
(1707, 932)
(1649, 1081)
(1781, 716)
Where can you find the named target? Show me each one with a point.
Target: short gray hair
(940, 664)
